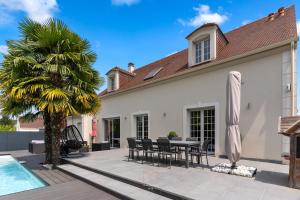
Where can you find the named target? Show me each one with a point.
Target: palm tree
(49, 72)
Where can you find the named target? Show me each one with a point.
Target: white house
(33, 126)
(185, 92)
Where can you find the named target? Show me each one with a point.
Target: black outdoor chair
(148, 149)
(179, 150)
(71, 140)
(165, 149)
(200, 151)
(133, 147)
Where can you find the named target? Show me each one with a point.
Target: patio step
(118, 188)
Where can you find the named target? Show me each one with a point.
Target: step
(118, 188)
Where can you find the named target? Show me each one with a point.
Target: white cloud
(204, 15)
(298, 27)
(124, 2)
(247, 21)
(3, 49)
(38, 10)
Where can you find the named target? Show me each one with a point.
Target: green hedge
(7, 128)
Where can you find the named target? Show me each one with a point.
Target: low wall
(18, 140)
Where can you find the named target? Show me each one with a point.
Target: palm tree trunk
(57, 123)
(48, 137)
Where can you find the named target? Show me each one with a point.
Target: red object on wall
(94, 128)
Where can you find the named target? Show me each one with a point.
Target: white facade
(266, 95)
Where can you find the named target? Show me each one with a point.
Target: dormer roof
(205, 26)
(120, 70)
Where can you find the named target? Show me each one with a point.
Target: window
(141, 127)
(202, 125)
(152, 73)
(202, 50)
(112, 83)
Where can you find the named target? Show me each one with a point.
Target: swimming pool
(16, 178)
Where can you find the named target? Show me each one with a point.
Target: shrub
(172, 134)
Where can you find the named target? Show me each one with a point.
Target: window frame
(202, 125)
(142, 129)
(203, 53)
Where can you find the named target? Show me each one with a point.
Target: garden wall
(18, 140)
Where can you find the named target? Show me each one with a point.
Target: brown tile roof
(289, 125)
(255, 35)
(38, 123)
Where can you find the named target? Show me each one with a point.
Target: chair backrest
(147, 144)
(177, 138)
(131, 143)
(163, 145)
(192, 139)
(205, 145)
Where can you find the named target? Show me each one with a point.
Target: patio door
(112, 131)
(202, 126)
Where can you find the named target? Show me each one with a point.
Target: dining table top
(181, 143)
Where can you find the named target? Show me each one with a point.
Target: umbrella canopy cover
(233, 96)
(94, 128)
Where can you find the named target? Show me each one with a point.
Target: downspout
(293, 78)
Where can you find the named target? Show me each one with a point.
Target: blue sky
(138, 31)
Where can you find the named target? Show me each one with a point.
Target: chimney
(131, 67)
(281, 11)
(271, 16)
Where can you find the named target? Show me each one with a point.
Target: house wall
(261, 105)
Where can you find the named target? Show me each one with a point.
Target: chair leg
(171, 160)
(207, 160)
(128, 154)
(143, 157)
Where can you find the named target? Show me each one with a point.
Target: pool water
(16, 178)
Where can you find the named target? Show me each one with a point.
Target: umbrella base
(240, 170)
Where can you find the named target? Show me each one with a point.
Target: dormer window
(203, 44)
(202, 50)
(112, 82)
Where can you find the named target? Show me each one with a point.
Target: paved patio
(270, 182)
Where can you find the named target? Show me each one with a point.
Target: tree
(48, 72)
(5, 120)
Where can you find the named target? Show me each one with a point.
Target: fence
(18, 140)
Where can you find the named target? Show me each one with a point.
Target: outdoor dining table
(176, 143)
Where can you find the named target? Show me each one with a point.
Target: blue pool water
(16, 178)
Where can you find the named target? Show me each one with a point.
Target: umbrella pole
(233, 166)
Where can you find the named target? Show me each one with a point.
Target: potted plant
(172, 134)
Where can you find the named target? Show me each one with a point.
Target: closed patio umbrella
(232, 138)
(94, 129)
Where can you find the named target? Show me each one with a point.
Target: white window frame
(201, 114)
(202, 52)
(133, 122)
(112, 82)
(142, 134)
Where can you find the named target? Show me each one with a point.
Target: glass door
(112, 131)
(202, 126)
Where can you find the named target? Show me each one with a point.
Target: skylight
(152, 73)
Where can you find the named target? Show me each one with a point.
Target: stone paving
(198, 182)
